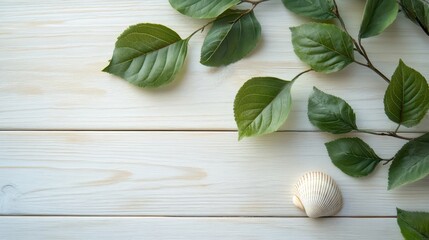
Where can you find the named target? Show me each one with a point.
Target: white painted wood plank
(182, 173)
(47, 228)
(52, 53)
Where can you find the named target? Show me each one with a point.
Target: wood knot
(9, 195)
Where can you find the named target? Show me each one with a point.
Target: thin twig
(362, 64)
(394, 134)
(370, 66)
(359, 47)
(388, 134)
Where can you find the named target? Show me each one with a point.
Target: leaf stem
(201, 29)
(254, 4)
(386, 161)
(389, 134)
(301, 73)
(397, 128)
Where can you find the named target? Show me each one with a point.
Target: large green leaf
(229, 39)
(407, 97)
(418, 12)
(262, 105)
(316, 9)
(324, 47)
(330, 113)
(203, 8)
(413, 225)
(353, 156)
(148, 55)
(378, 15)
(411, 163)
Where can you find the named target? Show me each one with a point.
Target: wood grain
(52, 53)
(182, 174)
(178, 184)
(23, 228)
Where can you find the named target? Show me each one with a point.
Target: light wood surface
(137, 228)
(186, 174)
(85, 155)
(52, 53)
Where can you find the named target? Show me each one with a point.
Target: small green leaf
(411, 163)
(330, 113)
(316, 9)
(413, 225)
(353, 156)
(407, 97)
(148, 55)
(262, 105)
(203, 8)
(324, 47)
(229, 39)
(418, 12)
(378, 15)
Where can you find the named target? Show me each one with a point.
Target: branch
(388, 134)
(358, 47)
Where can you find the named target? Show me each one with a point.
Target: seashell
(318, 195)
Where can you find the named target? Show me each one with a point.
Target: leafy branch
(359, 47)
(327, 48)
(151, 55)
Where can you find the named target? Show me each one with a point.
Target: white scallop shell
(318, 195)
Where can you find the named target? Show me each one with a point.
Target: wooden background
(85, 155)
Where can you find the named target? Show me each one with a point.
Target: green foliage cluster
(151, 55)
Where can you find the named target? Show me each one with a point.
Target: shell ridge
(317, 194)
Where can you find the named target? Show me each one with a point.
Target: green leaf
(411, 163)
(378, 15)
(262, 105)
(148, 55)
(407, 97)
(413, 225)
(203, 8)
(418, 12)
(353, 156)
(229, 39)
(330, 113)
(324, 47)
(315, 9)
